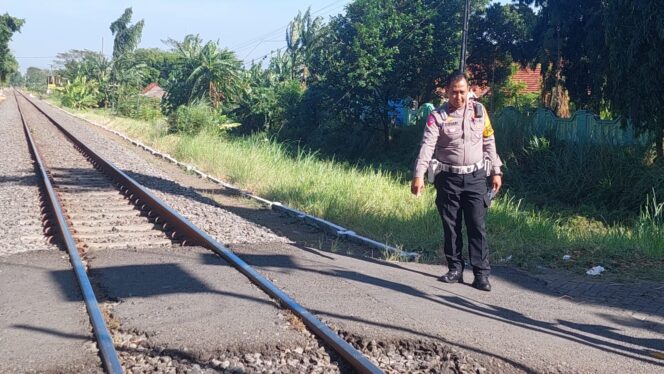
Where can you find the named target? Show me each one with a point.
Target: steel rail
(186, 228)
(108, 353)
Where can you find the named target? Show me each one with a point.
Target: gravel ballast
(20, 224)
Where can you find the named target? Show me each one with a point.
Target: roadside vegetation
(378, 204)
(309, 125)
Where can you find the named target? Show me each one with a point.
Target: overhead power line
(254, 43)
(249, 43)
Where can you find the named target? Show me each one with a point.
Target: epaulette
(439, 116)
(442, 113)
(477, 107)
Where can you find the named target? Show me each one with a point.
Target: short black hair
(456, 77)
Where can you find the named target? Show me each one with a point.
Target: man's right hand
(416, 186)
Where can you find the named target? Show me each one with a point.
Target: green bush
(270, 107)
(195, 117)
(80, 94)
(511, 94)
(138, 107)
(611, 180)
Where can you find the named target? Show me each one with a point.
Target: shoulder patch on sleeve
(431, 120)
(488, 129)
(434, 118)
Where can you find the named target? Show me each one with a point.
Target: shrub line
(322, 224)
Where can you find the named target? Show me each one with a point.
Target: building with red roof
(153, 90)
(532, 78)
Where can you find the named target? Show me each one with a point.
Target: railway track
(93, 206)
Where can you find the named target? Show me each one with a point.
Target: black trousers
(462, 196)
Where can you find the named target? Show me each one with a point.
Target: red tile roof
(532, 79)
(153, 90)
(150, 87)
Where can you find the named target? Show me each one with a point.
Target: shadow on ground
(604, 338)
(601, 337)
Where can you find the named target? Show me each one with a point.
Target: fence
(582, 128)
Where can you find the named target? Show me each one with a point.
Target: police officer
(458, 146)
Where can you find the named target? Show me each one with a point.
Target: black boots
(481, 282)
(452, 276)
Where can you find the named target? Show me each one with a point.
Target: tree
(126, 37)
(159, 63)
(202, 71)
(634, 32)
(381, 50)
(91, 65)
(569, 46)
(36, 79)
(355, 67)
(499, 36)
(80, 93)
(216, 74)
(8, 26)
(127, 75)
(16, 79)
(302, 37)
(74, 63)
(281, 65)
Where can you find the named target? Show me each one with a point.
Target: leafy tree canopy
(36, 79)
(381, 50)
(93, 65)
(634, 32)
(159, 63)
(126, 36)
(499, 36)
(17, 79)
(303, 35)
(8, 26)
(202, 71)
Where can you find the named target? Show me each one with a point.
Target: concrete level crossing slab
(520, 321)
(188, 300)
(44, 326)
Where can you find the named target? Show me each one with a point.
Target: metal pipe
(187, 229)
(466, 15)
(108, 354)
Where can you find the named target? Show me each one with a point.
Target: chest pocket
(450, 133)
(476, 129)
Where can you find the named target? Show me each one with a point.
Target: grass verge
(379, 205)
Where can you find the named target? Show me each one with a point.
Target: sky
(252, 28)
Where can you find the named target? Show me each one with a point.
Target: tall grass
(378, 203)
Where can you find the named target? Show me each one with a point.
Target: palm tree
(208, 71)
(126, 36)
(281, 65)
(217, 73)
(302, 36)
(187, 49)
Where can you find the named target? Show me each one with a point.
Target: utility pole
(466, 15)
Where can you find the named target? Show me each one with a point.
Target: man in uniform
(459, 148)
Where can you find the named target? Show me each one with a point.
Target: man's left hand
(496, 183)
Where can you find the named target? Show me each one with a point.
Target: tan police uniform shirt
(458, 138)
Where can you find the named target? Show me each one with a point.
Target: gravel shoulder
(44, 326)
(20, 223)
(520, 326)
